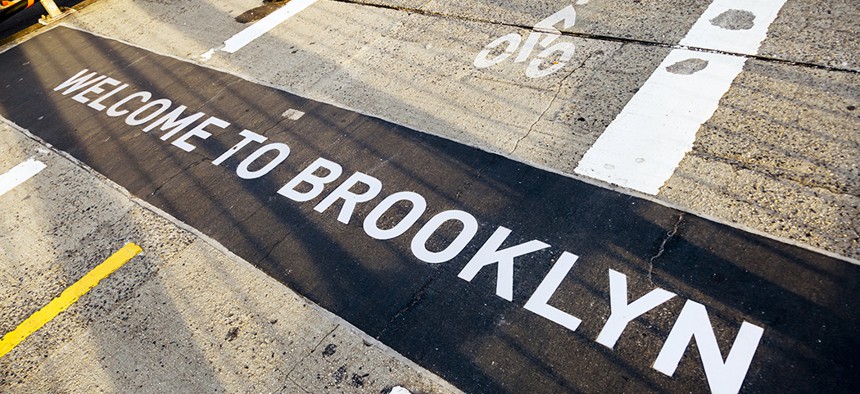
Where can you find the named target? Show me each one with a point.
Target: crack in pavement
(220, 91)
(671, 234)
(298, 385)
(467, 185)
(552, 101)
(414, 301)
(268, 202)
(180, 172)
(336, 326)
(272, 249)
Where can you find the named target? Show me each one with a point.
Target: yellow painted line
(68, 297)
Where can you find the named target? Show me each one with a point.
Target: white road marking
(704, 34)
(251, 33)
(20, 173)
(293, 114)
(544, 34)
(646, 142)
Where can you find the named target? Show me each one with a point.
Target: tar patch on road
(498, 276)
(260, 12)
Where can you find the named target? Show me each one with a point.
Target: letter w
(79, 81)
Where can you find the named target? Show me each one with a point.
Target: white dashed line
(646, 142)
(242, 38)
(20, 173)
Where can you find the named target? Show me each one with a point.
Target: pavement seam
(302, 360)
(264, 205)
(762, 169)
(601, 37)
(218, 93)
(737, 167)
(178, 173)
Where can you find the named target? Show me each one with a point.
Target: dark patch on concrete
(850, 107)
(232, 334)
(329, 350)
(339, 375)
(358, 380)
(735, 20)
(687, 67)
(460, 330)
(260, 12)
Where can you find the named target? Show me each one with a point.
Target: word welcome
(183, 129)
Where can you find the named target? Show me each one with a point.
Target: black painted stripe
(806, 303)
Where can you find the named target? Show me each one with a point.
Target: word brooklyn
(182, 129)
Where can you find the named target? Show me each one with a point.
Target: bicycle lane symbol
(543, 36)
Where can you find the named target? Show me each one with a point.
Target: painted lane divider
(19, 174)
(251, 33)
(646, 142)
(67, 297)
